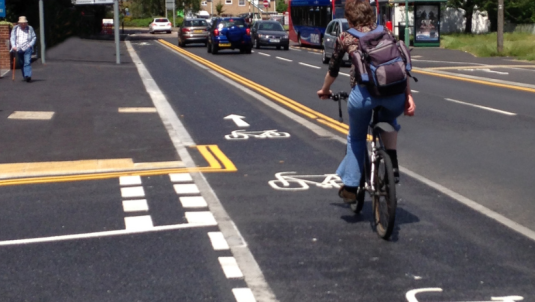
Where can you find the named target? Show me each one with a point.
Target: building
(237, 7)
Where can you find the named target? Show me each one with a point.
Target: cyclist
(360, 16)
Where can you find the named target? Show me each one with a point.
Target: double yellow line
(295, 106)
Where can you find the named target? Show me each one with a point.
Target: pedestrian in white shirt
(22, 41)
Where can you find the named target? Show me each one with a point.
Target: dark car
(229, 33)
(270, 33)
(193, 31)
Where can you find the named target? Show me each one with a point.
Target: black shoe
(28, 79)
(396, 175)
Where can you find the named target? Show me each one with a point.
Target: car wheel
(168, 31)
(249, 50)
(286, 47)
(208, 47)
(278, 47)
(299, 40)
(214, 49)
(256, 44)
(324, 58)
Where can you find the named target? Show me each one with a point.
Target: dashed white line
(132, 192)
(180, 177)
(481, 107)
(264, 54)
(230, 267)
(136, 205)
(193, 202)
(243, 295)
(308, 65)
(415, 91)
(315, 53)
(129, 180)
(218, 241)
(284, 59)
(138, 223)
(344, 74)
(204, 218)
(186, 189)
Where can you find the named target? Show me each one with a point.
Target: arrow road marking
(238, 119)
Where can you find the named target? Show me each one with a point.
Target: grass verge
(518, 45)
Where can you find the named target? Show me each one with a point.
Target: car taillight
(216, 32)
(248, 31)
(153, 24)
(185, 30)
(169, 24)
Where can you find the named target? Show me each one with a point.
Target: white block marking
(264, 54)
(284, 59)
(129, 180)
(132, 192)
(193, 202)
(230, 267)
(218, 241)
(31, 115)
(204, 218)
(135, 205)
(187, 189)
(243, 295)
(180, 177)
(138, 223)
(308, 65)
(481, 107)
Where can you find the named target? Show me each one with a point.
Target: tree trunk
(468, 14)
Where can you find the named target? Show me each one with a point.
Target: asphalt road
(308, 245)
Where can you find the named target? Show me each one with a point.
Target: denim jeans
(360, 108)
(25, 58)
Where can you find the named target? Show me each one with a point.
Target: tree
(219, 8)
(282, 6)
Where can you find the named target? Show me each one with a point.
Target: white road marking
(100, 234)
(219, 242)
(264, 54)
(136, 205)
(237, 119)
(344, 74)
(138, 222)
(446, 62)
(137, 110)
(130, 192)
(129, 180)
(243, 295)
(485, 70)
(315, 53)
(481, 107)
(308, 65)
(230, 267)
(411, 294)
(180, 177)
(31, 115)
(415, 91)
(294, 49)
(186, 189)
(193, 202)
(284, 59)
(204, 218)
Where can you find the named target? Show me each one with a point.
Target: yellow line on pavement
(46, 172)
(296, 106)
(460, 78)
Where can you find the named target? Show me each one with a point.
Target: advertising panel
(2, 9)
(426, 23)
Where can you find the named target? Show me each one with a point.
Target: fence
(524, 28)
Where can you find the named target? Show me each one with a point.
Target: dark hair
(359, 13)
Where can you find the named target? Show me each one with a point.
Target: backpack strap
(359, 34)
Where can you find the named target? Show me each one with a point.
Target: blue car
(229, 33)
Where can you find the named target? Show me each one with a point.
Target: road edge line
(252, 273)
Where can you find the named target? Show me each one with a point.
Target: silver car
(332, 32)
(193, 30)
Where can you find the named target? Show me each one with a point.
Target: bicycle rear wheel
(384, 197)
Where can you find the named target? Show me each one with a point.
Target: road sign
(2, 9)
(266, 3)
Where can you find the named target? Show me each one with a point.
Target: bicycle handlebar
(337, 96)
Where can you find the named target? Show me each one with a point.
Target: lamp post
(500, 26)
(407, 38)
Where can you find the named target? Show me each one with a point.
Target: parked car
(160, 24)
(229, 33)
(250, 18)
(332, 32)
(193, 31)
(270, 33)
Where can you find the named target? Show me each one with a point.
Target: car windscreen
(271, 26)
(161, 20)
(232, 22)
(195, 23)
(345, 26)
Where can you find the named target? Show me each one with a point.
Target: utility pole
(407, 38)
(42, 31)
(500, 26)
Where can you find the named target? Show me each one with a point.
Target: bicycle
(377, 176)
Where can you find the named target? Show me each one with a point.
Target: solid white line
(481, 107)
(243, 295)
(186, 189)
(219, 242)
(180, 177)
(205, 218)
(264, 54)
(136, 205)
(288, 60)
(101, 234)
(448, 62)
(230, 267)
(129, 180)
(130, 192)
(473, 205)
(193, 202)
(308, 65)
(138, 222)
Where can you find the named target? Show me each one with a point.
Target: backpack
(381, 62)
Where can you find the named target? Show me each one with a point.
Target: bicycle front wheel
(384, 196)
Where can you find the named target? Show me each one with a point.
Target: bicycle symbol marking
(287, 181)
(411, 295)
(242, 134)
